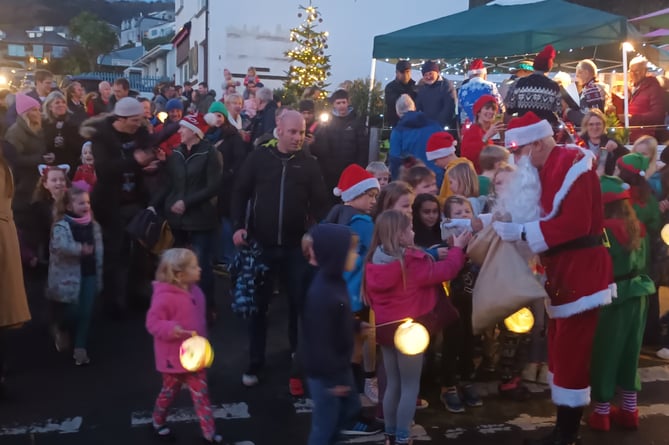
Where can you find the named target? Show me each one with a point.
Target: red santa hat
(483, 101)
(526, 129)
(353, 182)
(477, 67)
(196, 123)
(544, 60)
(440, 145)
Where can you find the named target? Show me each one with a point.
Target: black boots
(566, 428)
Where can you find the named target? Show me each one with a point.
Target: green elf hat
(613, 189)
(635, 163)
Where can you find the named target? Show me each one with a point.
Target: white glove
(457, 222)
(508, 231)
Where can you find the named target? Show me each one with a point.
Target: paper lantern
(521, 322)
(411, 338)
(196, 353)
(664, 233)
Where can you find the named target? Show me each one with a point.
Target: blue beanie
(174, 104)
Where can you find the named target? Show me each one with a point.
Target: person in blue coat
(409, 137)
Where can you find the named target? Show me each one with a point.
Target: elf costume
(619, 334)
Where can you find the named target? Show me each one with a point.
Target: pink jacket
(172, 306)
(386, 291)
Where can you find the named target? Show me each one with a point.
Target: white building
(212, 37)
(133, 30)
(160, 61)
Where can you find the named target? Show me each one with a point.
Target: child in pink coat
(400, 283)
(177, 311)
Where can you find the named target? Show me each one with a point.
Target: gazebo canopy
(506, 28)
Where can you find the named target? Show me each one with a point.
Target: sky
(352, 25)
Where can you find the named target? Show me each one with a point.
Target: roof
(121, 57)
(153, 54)
(505, 28)
(46, 38)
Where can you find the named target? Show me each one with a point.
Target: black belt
(583, 242)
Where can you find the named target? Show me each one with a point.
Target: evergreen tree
(309, 66)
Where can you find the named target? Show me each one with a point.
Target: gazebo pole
(372, 76)
(626, 100)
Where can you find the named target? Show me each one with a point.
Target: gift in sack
(478, 247)
(505, 283)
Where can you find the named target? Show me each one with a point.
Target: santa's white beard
(521, 197)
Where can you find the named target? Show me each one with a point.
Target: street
(110, 401)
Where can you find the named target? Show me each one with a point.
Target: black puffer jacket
(232, 147)
(193, 176)
(63, 140)
(286, 192)
(340, 143)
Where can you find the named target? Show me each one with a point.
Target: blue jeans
(402, 386)
(331, 414)
(226, 248)
(202, 243)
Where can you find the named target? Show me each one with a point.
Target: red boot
(626, 419)
(600, 422)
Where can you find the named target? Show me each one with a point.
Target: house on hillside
(158, 62)
(134, 30)
(34, 47)
(121, 57)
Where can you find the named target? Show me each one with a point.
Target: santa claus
(567, 233)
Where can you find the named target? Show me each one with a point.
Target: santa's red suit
(578, 268)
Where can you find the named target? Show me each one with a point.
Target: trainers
(372, 390)
(422, 403)
(163, 433)
(471, 396)
(249, 380)
(663, 354)
(360, 428)
(81, 357)
(530, 372)
(452, 402)
(216, 438)
(294, 386)
(61, 340)
(542, 376)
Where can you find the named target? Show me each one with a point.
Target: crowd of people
(284, 204)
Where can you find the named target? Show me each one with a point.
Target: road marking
(67, 426)
(654, 374)
(225, 411)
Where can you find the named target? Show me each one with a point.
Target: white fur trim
(575, 171)
(535, 239)
(358, 189)
(584, 303)
(210, 119)
(573, 398)
(190, 126)
(517, 137)
(440, 153)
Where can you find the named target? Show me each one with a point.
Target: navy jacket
(328, 324)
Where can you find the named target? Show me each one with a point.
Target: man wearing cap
(121, 148)
(403, 84)
(166, 134)
(341, 142)
(475, 87)
(536, 92)
(285, 190)
(436, 97)
(523, 69)
(565, 228)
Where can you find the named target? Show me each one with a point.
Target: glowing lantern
(521, 322)
(664, 233)
(411, 338)
(196, 353)
(162, 116)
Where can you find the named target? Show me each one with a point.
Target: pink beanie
(25, 103)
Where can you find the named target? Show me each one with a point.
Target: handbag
(151, 230)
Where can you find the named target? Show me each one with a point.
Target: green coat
(649, 215)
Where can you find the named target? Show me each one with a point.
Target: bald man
(100, 104)
(286, 189)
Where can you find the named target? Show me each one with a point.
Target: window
(58, 51)
(38, 51)
(16, 50)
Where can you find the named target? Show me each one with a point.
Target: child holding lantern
(177, 312)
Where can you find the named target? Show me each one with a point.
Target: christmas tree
(309, 66)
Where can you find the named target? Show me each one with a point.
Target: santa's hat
(544, 60)
(483, 101)
(477, 67)
(353, 182)
(635, 163)
(613, 189)
(196, 123)
(526, 129)
(440, 145)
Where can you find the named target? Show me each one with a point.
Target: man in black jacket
(403, 84)
(121, 148)
(286, 191)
